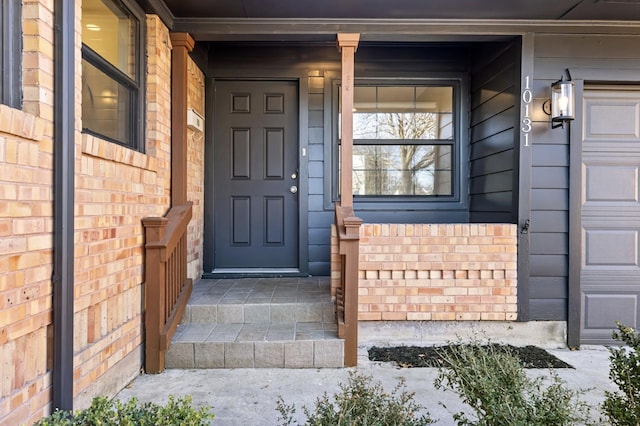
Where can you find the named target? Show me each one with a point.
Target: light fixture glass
(562, 102)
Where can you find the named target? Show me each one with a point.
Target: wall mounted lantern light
(561, 105)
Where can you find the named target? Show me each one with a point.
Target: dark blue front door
(255, 176)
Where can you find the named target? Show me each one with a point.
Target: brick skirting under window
(435, 271)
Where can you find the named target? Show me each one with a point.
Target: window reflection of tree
(398, 169)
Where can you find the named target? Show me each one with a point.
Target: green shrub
(494, 384)
(623, 407)
(105, 412)
(361, 403)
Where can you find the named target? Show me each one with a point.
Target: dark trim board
(303, 173)
(522, 193)
(159, 8)
(64, 171)
(389, 30)
(208, 249)
(575, 219)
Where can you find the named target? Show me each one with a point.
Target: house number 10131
(527, 97)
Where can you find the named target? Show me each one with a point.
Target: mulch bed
(429, 356)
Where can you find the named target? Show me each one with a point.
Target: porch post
(182, 44)
(347, 43)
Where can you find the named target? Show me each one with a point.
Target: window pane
(396, 99)
(106, 105)
(402, 170)
(437, 102)
(11, 53)
(402, 126)
(434, 99)
(111, 32)
(403, 112)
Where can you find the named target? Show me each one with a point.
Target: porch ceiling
(410, 9)
(387, 20)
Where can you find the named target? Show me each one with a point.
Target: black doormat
(429, 356)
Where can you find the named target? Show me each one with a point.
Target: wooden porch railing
(167, 288)
(348, 230)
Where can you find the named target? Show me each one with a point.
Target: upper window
(404, 141)
(10, 59)
(112, 60)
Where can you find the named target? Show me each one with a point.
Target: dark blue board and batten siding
(592, 59)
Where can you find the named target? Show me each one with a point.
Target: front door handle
(293, 189)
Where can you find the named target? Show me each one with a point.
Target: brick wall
(195, 172)
(25, 264)
(115, 188)
(435, 272)
(26, 222)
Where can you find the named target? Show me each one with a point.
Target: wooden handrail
(176, 220)
(348, 231)
(167, 288)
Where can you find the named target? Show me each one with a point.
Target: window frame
(459, 166)
(135, 86)
(11, 58)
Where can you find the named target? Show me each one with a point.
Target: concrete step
(269, 345)
(258, 313)
(258, 323)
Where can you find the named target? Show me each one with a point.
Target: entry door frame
(301, 80)
(587, 78)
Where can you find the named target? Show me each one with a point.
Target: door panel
(610, 214)
(256, 159)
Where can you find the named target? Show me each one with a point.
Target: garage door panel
(610, 118)
(601, 311)
(597, 337)
(611, 182)
(611, 248)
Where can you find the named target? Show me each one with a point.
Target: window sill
(21, 124)
(99, 148)
(406, 204)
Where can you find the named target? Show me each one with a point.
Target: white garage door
(610, 213)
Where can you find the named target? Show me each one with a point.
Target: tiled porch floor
(262, 290)
(254, 322)
(284, 331)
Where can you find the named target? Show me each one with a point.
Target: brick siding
(115, 188)
(195, 173)
(26, 222)
(435, 272)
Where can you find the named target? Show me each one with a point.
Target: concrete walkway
(249, 396)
